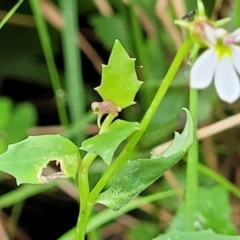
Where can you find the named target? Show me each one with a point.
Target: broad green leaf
(143, 231)
(206, 235)
(25, 160)
(210, 214)
(138, 174)
(119, 79)
(5, 112)
(106, 143)
(23, 117)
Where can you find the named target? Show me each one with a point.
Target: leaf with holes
(138, 174)
(26, 160)
(119, 79)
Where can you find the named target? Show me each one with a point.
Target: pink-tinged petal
(233, 37)
(211, 34)
(236, 57)
(226, 81)
(201, 74)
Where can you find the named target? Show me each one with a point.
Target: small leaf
(208, 235)
(137, 175)
(106, 143)
(119, 79)
(25, 160)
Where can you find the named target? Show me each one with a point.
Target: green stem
(225, 183)
(107, 121)
(192, 163)
(83, 183)
(10, 13)
(137, 37)
(108, 215)
(48, 53)
(139, 48)
(22, 193)
(238, 13)
(122, 158)
(73, 71)
(191, 5)
(85, 208)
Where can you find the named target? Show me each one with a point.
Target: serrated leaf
(208, 235)
(137, 175)
(119, 79)
(25, 160)
(106, 143)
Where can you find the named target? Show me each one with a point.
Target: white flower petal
(211, 34)
(236, 57)
(201, 74)
(233, 37)
(226, 81)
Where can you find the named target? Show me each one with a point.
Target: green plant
(127, 173)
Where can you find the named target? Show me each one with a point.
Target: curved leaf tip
(137, 175)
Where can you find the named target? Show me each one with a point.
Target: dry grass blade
(103, 7)
(146, 23)
(207, 131)
(210, 154)
(19, 19)
(3, 235)
(54, 17)
(173, 182)
(168, 23)
(179, 8)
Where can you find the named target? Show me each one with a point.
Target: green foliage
(15, 121)
(138, 174)
(24, 60)
(169, 112)
(106, 143)
(210, 213)
(151, 38)
(115, 27)
(209, 235)
(142, 231)
(10, 13)
(25, 160)
(119, 80)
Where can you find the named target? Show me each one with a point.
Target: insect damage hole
(52, 171)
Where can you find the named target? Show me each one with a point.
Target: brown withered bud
(105, 107)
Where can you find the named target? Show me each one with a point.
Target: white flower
(220, 62)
